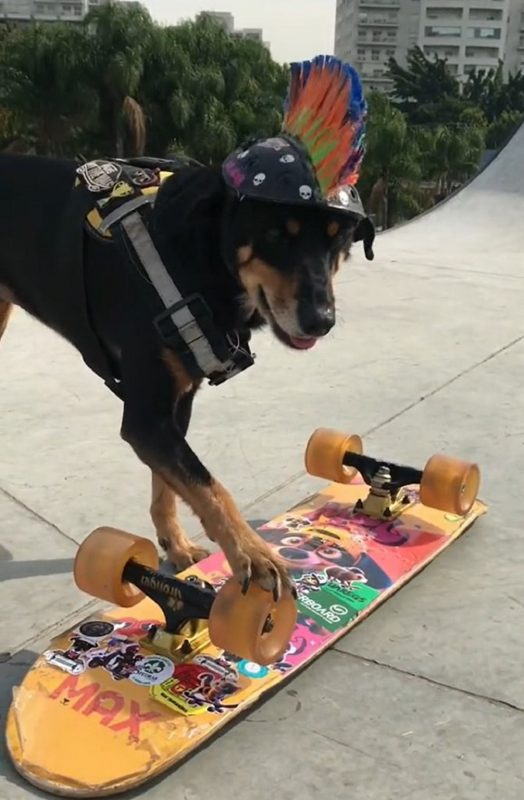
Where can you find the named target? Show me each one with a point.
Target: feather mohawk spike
(326, 111)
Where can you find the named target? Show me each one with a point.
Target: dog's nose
(317, 320)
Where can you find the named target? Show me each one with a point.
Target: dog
(255, 263)
(158, 271)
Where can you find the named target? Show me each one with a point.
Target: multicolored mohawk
(326, 111)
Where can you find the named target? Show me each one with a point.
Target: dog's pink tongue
(302, 344)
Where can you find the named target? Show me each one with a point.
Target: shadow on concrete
(12, 570)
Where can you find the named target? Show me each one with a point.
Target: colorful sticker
(143, 177)
(152, 671)
(97, 643)
(96, 629)
(330, 610)
(358, 596)
(252, 670)
(303, 644)
(58, 658)
(199, 687)
(99, 176)
(309, 549)
(121, 189)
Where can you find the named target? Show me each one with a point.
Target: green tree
(450, 155)
(391, 168)
(119, 38)
(42, 85)
(425, 90)
(488, 90)
(214, 91)
(502, 127)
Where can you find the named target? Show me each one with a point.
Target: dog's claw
(277, 589)
(254, 562)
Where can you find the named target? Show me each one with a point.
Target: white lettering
(332, 614)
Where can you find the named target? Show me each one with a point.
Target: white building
(227, 20)
(224, 18)
(47, 10)
(255, 34)
(470, 34)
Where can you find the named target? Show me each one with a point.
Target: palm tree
(450, 155)
(502, 127)
(164, 93)
(205, 91)
(391, 169)
(43, 86)
(119, 38)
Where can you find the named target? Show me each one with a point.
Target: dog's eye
(293, 227)
(333, 229)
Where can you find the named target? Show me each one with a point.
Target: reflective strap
(182, 318)
(123, 211)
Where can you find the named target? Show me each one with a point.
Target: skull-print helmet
(279, 170)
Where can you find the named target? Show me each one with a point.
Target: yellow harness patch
(113, 184)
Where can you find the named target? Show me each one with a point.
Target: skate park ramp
(425, 698)
(485, 216)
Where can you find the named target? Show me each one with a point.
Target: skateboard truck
(388, 495)
(121, 568)
(446, 484)
(185, 604)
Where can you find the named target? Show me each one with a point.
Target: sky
(295, 29)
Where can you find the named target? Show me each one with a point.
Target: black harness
(118, 200)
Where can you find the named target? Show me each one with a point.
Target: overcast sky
(295, 29)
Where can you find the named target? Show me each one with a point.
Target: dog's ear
(193, 194)
(365, 232)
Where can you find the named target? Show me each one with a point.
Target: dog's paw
(253, 561)
(183, 557)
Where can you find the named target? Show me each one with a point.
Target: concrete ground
(424, 700)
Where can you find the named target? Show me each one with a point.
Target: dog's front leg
(160, 444)
(170, 534)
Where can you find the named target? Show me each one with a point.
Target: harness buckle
(168, 331)
(240, 360)
(183, 336)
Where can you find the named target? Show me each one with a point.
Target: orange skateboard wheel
(100, 562)
(325, 453)
(237, 622)
(449, 484)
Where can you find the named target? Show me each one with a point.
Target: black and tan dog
(246, 260)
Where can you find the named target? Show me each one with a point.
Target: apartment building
(227, 20)
(470, 34)
(46, 10)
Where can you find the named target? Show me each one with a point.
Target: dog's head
(286, 242)
(283, 253)
(286, 258)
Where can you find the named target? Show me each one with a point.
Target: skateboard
(131, 690)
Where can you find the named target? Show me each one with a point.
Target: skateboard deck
(97, 714)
